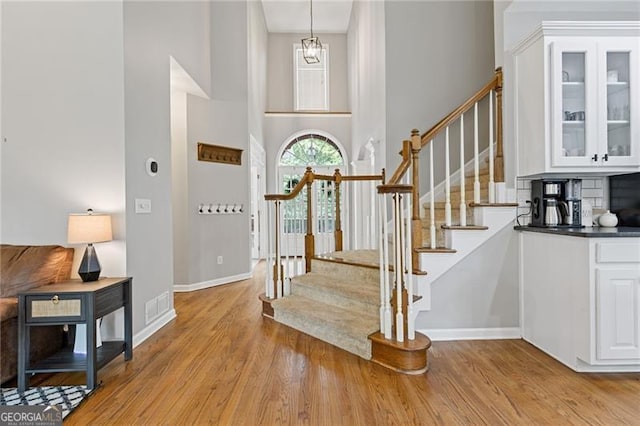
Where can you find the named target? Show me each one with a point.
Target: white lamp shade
(89, 228)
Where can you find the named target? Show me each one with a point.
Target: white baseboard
(149, 330)
(444, 334)
(179, 288)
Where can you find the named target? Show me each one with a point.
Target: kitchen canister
(608, 220)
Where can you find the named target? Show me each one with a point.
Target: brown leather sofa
(23, 268)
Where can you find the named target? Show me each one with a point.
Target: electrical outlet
(220, 260)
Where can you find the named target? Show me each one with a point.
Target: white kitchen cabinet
(576, 98)
(581, 299)
(618, 313)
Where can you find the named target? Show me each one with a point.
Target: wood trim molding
(408, 357)
(219, 154)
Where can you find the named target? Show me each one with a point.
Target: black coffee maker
(556, 202)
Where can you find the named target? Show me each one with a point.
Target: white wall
(152, 32)
(438, 54)
(210, 236)
(257, 40)
(280, 71)
(366, 63)
(479, 292)
(62, 122)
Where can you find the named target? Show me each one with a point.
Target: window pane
(311, 83)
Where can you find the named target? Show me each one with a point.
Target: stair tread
(344, 328)
(481, 204)
(465, 228)
(358, 290)
(435, 250)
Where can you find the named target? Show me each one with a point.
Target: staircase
(337, 302)
(346, 297)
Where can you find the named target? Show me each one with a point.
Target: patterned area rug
(67, 397)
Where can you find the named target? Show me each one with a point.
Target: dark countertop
(587, 232)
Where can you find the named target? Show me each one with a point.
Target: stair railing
(406, 217)
(308, 220)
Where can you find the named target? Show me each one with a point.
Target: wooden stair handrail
(495, 83)
(403, 166)
(309, 177)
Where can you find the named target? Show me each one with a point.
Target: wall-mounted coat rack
(219, 154)
(220, 208)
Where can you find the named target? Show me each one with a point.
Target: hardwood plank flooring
(220, 362)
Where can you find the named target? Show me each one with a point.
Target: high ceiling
(292, 16)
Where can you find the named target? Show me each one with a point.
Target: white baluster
(372, 217)
(286, 282)
(296, 233)
(432, 202)
(476, 164)
(302, 211)
(463, 203)
(387, 284)
(381, 255)
(492, 185)
(447, 180)
(329, 214)
(268, 285)
(314, 215)
(278, 249)
(397, 207)
(411, 331)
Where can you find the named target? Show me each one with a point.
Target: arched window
(311, 150)
(308, 150)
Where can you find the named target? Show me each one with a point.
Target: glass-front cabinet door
(618, 72)
(573, 76)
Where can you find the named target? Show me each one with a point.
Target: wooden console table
(73, 302)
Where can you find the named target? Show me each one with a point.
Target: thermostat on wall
(152, 167)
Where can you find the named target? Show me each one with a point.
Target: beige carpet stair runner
(337, 302)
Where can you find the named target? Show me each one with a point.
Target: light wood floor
(220, 362)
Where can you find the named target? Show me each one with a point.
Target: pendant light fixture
(311, 46)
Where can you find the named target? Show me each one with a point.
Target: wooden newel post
(309, 239)
(416, 221)
(338, 221)
(499, 160)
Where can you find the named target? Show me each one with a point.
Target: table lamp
(89, 228)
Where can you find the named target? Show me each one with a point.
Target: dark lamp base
(89, 266)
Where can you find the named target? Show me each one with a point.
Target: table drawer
(55, 308)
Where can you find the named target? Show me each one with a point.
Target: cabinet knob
(595, 157)
(55, 299)
(605, 157)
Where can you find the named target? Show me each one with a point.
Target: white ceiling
(292, 16)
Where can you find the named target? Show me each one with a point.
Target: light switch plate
(143, 205)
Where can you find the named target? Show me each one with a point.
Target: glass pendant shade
(311, 50)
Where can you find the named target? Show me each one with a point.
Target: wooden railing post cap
(415, 132)
(338, 176)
